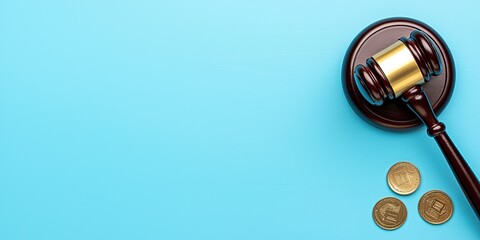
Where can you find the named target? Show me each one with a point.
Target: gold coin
(403, 178)
(389, 213)
(435, 207)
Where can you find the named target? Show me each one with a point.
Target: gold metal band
(400, 68)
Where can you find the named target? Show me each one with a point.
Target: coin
(435, 207)
(403, 178)
(389, 213)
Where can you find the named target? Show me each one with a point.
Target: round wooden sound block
(395, 113)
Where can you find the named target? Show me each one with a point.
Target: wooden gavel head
(404, 64)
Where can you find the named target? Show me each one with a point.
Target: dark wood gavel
(399, 71)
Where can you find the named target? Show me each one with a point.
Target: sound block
(395, 114)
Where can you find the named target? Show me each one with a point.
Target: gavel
(399, 71)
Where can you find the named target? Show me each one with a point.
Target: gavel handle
(418, 102)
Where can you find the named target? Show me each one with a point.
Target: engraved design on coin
(403, 178)
(389, 213)
(435, 207)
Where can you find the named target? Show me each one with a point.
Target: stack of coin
(403, 178)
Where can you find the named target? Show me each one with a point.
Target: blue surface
(212, 120)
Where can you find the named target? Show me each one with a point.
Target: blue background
(212, 120)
